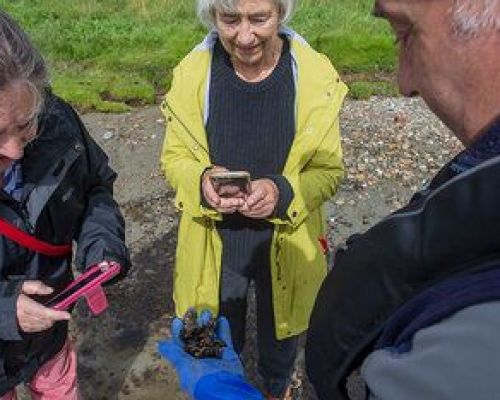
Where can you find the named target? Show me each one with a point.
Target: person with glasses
(56, 193)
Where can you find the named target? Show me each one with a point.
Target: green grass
(109, 55)
(362, 90)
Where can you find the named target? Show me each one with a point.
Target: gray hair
(20, 61)
(206, 10)
(472, 18)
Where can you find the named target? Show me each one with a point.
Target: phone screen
(72, 290)
(229, 183)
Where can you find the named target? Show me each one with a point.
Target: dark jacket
(67, 197)
(448, 230)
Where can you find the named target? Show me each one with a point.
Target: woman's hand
(226, 204)
(262, 199)
(33, 316)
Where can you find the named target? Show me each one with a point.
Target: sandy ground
(391, 146)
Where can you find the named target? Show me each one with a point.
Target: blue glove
(191, 370)
(225, 386)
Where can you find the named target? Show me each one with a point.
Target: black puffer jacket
(68, 197)
(449, 229)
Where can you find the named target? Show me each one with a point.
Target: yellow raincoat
(313, 168)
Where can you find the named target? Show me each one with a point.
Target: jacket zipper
(25, 217)
(22, 212)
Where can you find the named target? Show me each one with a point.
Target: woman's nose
(245, 33)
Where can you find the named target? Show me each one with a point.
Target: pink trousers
(55, 380)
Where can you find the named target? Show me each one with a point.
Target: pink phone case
(92, 291)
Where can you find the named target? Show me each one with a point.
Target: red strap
(20, 237)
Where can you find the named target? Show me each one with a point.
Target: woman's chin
(249, 59)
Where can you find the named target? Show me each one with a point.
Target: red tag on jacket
(323, 241)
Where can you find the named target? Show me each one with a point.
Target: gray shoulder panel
(456, 359)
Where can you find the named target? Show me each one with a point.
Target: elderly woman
(56, 189)
(253, 96)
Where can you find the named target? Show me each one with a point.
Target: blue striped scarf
(13, 180)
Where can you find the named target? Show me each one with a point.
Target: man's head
(449, 54)
(23, 80)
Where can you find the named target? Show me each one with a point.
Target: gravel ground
(391, 147)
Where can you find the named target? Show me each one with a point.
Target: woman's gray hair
(471, 18)
(20, 61)
(206, 10)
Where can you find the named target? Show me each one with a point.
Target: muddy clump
(201, 341)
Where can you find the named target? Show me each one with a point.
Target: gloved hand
(191, 370)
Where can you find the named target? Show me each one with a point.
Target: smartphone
(229, 183)
(86, 284)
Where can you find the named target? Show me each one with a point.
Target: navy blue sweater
(251, 127)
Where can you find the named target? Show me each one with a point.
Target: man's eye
(402, 37)
(24, 126)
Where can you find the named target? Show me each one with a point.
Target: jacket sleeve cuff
(285, 195)
(124, 267)
(9, 292)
